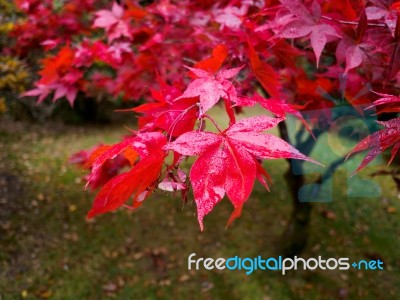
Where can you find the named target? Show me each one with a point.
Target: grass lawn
(48, 250)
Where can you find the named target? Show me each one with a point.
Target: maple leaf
(175, 116)
(110, 167)
(117, 51)
(62, 90)
(285, 53)
(354, 57)
(228, 163)
(392, 102)
(379, 142)
(113, 22)
(381, 9)
(138, 182)
(307, 24)
(264, 73)
(41, 90)
(87, 52)
(352, 48)
(57, 66)
(278, 107)
(58, 75)
(230, 16)
(210, 88)
(213, 63)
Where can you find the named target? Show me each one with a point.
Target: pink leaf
(385, 99)
(297, 8)
(379, 142)
(295, 29)
(208, 175)
(354, 57)
(318, 38)
(209, 88)
(41, 90)
(194, 142)
(255, 124)
(228, 74)
(267, 146)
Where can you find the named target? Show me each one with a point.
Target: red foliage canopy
(185, 57)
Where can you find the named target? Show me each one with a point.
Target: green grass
(49, 250)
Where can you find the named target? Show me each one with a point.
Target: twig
(351, 23)
(213, 121)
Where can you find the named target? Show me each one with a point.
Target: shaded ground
(49, 250)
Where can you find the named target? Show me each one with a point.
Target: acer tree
(176, 60)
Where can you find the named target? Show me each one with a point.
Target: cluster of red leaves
(165, 35)
(282, 55)
(228, 162)
(48, 26)
(383, 139)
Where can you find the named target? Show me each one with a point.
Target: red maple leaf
(175, 116)
(353, 47)
(387, 10)
(137, 183)
(210, 88)
(264, 73)
(108, 169)
(278, 107)
(227, 161)
(55, 67)
(307, 23)
(379, 142)
(213, 63)
(391, 103)
(58, 75)
(113, 22)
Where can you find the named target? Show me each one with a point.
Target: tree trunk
(296, 234)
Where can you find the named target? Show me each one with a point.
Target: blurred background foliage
(18, 72)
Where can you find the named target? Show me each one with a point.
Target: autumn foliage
(179, 59)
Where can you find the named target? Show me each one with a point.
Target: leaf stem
(213, 121)
(351, 23)
(180, 116)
